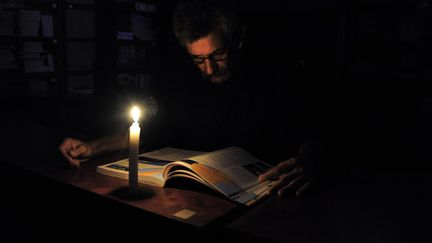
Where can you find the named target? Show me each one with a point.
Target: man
(230, 102)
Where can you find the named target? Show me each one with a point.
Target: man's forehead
(205, 45)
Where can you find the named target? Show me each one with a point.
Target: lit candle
(134, 134)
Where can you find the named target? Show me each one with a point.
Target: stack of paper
(35, 58)
(138, 22)
(121, 35)
(142, 27)
(47, 26)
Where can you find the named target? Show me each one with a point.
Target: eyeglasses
(216, 56)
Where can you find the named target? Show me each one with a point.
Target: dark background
(363, 65)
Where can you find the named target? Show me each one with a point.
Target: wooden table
(42, 200)
(162, 201)
(43, 188)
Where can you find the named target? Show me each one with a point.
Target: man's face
(211, 57)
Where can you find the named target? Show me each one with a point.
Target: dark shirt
(255, 109)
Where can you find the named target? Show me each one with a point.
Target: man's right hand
(76, 151)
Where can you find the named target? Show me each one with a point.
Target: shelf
(27, 38)
(137, 41)
(133, 70)
(81, 72)
(79, 6)
(71, 41)
(15, 74)
(80, 39)
(128, 8)
(36, 6)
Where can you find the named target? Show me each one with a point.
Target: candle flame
(135, 113)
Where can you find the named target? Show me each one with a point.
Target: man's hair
(193, 20)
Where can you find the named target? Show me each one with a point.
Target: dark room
(216, 120)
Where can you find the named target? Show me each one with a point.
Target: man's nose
(209, 67)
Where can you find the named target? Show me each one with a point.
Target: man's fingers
(78, 151)
(74, 163)
(79, 154)
(284, 179)
(280, 169)
(71, 160)
(65, 149)
(71, 153)
(293, 185)
(65, 154)
(302, 189)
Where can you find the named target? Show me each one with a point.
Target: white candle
(134, 134)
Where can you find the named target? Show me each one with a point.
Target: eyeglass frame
(212, 56)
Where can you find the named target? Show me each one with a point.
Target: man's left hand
(289, 178)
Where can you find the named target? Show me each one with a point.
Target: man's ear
(241, 37)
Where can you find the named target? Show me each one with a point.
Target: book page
(148, 173)
(253, 194)
(171, 154)
(236, 164)
(188, 174)
(150, 165)
(231, 171)
(203, 173)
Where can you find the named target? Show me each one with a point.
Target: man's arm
(111, 143)
(76, 151)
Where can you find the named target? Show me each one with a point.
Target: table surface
(387, 207)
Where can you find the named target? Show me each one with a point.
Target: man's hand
(76, 151)
(288, 178)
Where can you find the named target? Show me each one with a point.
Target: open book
(231, 171)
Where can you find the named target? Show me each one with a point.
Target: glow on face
(210, 56)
